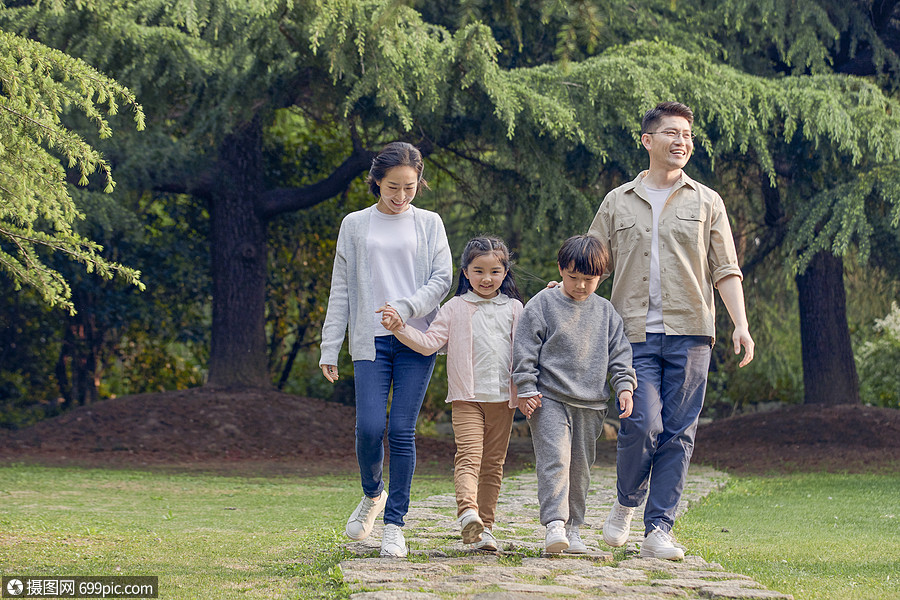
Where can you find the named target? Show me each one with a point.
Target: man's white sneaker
(660, 544)
(360, 523)
(555, 540)
(488, 541)
(393, 544)
(618, 525)
(576, 546)
(471, 526)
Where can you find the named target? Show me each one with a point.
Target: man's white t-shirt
(657, 199)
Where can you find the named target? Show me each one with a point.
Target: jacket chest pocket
(624, 234)
(687, 227)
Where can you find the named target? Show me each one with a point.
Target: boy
(567, 340)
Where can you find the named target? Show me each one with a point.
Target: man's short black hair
(665, 109)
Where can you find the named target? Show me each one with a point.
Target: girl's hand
(626, 403)
(529, 405)
(390, 320)
(330, 372)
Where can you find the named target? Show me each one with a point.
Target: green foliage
(877, 360)
(839, 218)
(39, 86)
(528, 112)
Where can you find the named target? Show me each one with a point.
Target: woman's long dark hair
(480, 246)
(395, 154)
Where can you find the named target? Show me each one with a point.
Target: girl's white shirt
(491, 346)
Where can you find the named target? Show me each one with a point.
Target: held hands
(529, 405)
(626, 403)
(330, 372)
(390, 320)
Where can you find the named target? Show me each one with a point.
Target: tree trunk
(829, 373)
(238, 231)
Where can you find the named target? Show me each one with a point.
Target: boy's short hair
(583, 254)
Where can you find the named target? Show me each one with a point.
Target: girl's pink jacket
(452, 327)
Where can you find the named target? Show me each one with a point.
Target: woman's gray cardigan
(351, 299)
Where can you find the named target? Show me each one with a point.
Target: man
(670, 244)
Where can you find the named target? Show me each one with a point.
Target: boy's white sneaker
(471, 526)
(488, 541)
(555, 540)
(618, 525)
(576, 545)
(361, 521)
(393, 544)
(659, 544)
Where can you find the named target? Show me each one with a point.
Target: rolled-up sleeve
(722, 255)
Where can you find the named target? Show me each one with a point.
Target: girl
(477, 327)
(395, 255)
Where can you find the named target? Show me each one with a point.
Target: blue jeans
(409, 372)
(658, 438)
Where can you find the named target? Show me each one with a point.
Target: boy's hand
(529, 405)
(626, 403)
(390, 320)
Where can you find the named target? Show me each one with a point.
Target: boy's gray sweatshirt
(564, 349)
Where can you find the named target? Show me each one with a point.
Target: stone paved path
(439, 567)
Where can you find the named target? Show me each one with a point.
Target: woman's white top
(392, 257)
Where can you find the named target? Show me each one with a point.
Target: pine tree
(38, 152)
(539, 102)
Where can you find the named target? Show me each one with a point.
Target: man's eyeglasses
(673, 134)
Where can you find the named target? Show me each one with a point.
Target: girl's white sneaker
(488, 541)
(471, 526)
(393, 544)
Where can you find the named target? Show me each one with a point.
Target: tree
(547, 119)
(40, 87)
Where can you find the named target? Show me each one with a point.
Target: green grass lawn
(816, 536)
(204, 536)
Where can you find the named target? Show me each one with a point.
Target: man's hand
(741, 337)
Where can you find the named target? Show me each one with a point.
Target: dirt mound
(271, 432)
(203, 427)
(845, 438)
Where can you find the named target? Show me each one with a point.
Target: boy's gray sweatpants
(565, 446)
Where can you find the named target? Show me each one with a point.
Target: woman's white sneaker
(361, 521)
(393, 544)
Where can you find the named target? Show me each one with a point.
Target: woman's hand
(390, 320)
(330, 372)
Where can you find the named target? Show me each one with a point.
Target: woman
(389, 254)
